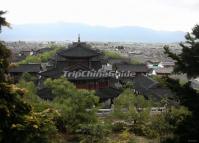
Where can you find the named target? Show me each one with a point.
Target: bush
(72, 103)
(119, 126)
(132, 140)
(93, 133)
(19, 122)
(28, 77)
(112, 54)
(143, 129)
(125, 135)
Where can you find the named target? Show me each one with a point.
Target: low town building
(89, 68)
(17, 71)
(151, 89)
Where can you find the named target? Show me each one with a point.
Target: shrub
(125, 135)
(132, 140)
(72, 103)
(93, 133)
(119, 126)
(112, 54)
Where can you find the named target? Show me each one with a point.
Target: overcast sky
(170, 15)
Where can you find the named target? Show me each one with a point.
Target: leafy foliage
(70, 104)
(31, 97)
(28, 77)
(187, 61)
(188, 97)
(3, 21)
(119, 126)
(76, 106)
(4, 52)
(4, 55)
(127, 105)
(18, 122)
(133, 109)
(177, 115)
(93, 133)
(134, 61)
(112, 54)
(134, 113)
(43, 57)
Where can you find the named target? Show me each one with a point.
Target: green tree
(3, 21)
(124, 105)
(18, 122)
(31, 97)
(188, 97)
(134, 110)
(93, 133)
(131, 107)
(4, 52)
(76, 106)
(113, 54)
(4, 55)
(28, 77)
(176, 115)
(187, 61)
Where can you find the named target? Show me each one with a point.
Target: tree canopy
(72, 103)
(188, 60)
(4, 52)
(18, 122)
(3, 21)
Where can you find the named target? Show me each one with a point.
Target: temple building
(88, 68)
(16, 72)
(79, 57)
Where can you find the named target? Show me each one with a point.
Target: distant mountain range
(69, 31)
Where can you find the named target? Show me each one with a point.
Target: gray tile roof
(144, 82)
(57, 58)
(164, 70)
(79, 51)
(103, 94)
(52, 73)
(142, 68)
(43, 50)
(168, 63)
(31, 68)
(150, 88)
(118, 61)
(16, 58)
(107, 93)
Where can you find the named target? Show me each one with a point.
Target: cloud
(156, 14)
(181, 4)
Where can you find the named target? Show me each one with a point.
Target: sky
(169, 15)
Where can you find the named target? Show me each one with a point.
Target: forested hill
(69, 31)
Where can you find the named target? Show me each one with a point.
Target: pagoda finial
(79, 38)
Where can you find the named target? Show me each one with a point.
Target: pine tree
(18, 122)
(3, 21)
(187, 61)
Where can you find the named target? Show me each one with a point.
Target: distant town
(84, 91)
(139, 51)
(144, 60)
